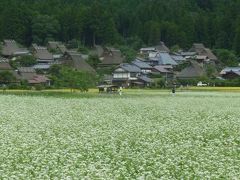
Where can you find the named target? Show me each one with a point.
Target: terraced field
(145, 136)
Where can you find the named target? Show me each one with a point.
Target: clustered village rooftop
(151, 62)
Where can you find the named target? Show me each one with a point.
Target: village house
(201, 59)
(210, 54)
(10, 49)
(40, 80)
(194, 70)
(201, 50)
(57, 48)
(29, 74)
(187, 55)
(26, 73)
(143, 81)
(106, 79)
(147, 50)
(197, 47)
(126, 72)
(76, 61)
(53, 45)
(43, 67)
(42, 55)
(230, 73)
(163, 70)
(145, 67)
(4, 65)
(161, 58)
(179, 59)
(111, 57)
(161, 47)
(97, 51)
(130, 75)
(108, 56)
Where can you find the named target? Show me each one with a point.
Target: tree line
(132, 22)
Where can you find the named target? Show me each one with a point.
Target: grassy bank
(68, 93)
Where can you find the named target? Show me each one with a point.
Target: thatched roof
(11, 48)
(26, 73)
(195, 70)
(97, 50)
(210, 54)
(55, 45)
(197, 47)
(42, 54)
(75, 60)
(62, 48)
(4, 64)
(162, 47)
(202, 51)
(112, 56)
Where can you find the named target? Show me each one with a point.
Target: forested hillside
(216, 23)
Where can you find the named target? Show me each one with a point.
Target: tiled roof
(141, 64)
(164, 58)
(145, 79)
(130, 68)
(178, 58)
(230, 69)
(161, 69)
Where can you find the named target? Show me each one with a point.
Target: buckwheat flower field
(189, 136)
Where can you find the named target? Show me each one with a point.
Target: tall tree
(236, 45)
(44, 28)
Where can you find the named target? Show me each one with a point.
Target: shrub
(39, 87)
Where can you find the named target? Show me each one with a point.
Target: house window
(133, 74)
(120, 75)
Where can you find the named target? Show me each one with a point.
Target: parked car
(200, 83)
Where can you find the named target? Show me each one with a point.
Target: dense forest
(216, 23)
